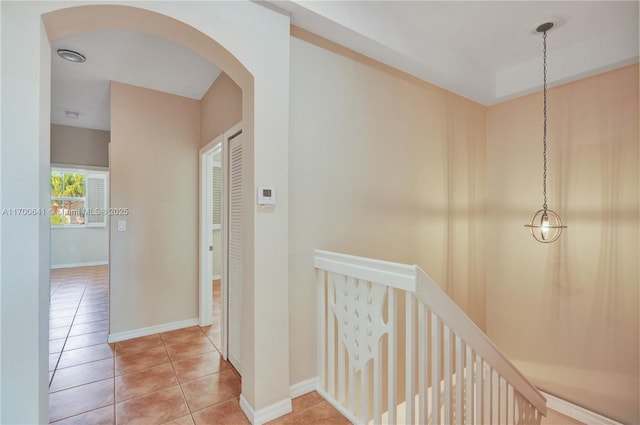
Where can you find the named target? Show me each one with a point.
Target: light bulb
(544, 226)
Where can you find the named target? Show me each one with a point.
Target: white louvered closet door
(215, 223)
(235, 253)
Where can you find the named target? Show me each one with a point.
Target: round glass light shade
(545, 226)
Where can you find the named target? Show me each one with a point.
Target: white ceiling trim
(327, 20)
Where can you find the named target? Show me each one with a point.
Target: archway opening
(78, 20)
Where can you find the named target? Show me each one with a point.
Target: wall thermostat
(266, 195)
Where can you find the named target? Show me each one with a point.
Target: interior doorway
(221, 241)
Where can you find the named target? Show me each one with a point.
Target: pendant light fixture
(545, 225)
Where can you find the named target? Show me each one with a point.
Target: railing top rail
(412, 279)
(400, 276)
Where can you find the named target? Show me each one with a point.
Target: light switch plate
(122, 226)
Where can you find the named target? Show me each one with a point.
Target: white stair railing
(393, 348)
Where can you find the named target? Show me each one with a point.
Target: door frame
(205, 290)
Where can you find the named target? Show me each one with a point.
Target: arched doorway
(253, 36)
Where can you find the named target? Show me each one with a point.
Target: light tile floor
(176, 377)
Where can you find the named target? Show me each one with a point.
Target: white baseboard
(150, 330)
(216, 277)
(246, 408)
(90, 263)
(577, 412)
(304, 387)
(266, 414)
(283, 407)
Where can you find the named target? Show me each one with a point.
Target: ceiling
(486, 51)
(128, 57)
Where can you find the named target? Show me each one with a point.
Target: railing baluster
(331, 347)
(460, 380)
(479, 389)
(422, 365)
(487, 394)
(341, 372)
(322, 317)
(409, 359)
(364, 393)
(495, 398)
(377, 384)
(352, 388)
(392, 341)
(448, 372)
(435, 369)
(469, 416)
(503, 401)
(511, 414)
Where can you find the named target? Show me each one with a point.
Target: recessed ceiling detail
(481, 50)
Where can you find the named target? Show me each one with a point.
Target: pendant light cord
(544, 135)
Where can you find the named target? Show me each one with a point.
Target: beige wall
(381, 165)
(75, 247)
(79, 146)
(221, 108)
(155, 138)
(567, 313)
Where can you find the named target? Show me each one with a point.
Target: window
(78, 198)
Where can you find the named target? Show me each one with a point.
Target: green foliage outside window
(57, 219)
(64, 188)
(67, 185)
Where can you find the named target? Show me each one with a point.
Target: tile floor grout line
(81, 413)
(55, 368)
(184, 397)
(86, 279)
